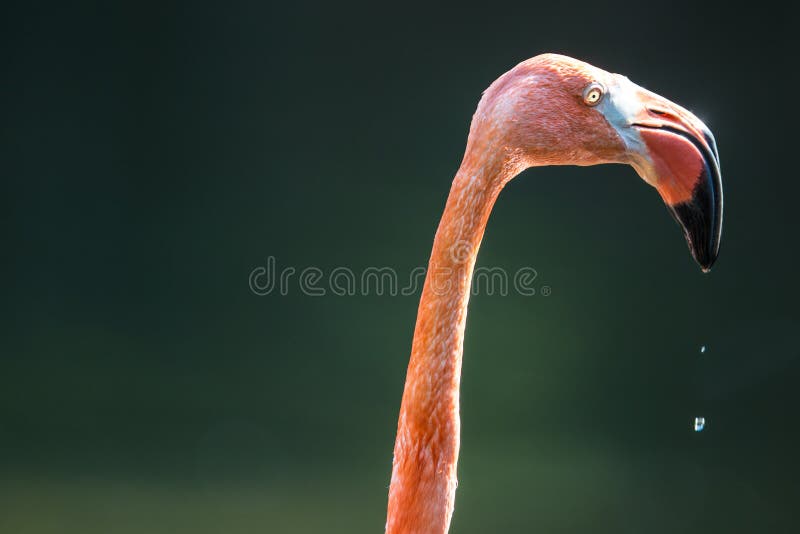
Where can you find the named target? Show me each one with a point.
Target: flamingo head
(555, 110)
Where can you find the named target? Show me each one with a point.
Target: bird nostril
(662, 114)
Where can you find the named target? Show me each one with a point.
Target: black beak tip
(703, 249)
(706, 264)
(701, 216)
(700, 226)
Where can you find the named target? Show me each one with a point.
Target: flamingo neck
(423, 484)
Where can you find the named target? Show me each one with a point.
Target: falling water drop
(699, 423)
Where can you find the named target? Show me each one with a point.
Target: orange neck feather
(423, 483)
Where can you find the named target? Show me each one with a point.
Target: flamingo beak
(679, 158)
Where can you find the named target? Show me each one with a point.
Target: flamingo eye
(593, 94)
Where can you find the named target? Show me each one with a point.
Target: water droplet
(702, 349)
(699, 423)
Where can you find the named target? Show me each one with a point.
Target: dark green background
(152, 155)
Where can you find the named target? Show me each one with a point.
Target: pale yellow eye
(593, 94)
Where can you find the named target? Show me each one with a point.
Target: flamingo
(548, 110)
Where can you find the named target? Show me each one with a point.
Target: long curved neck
(423, 483)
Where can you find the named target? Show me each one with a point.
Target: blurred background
(154, 154)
